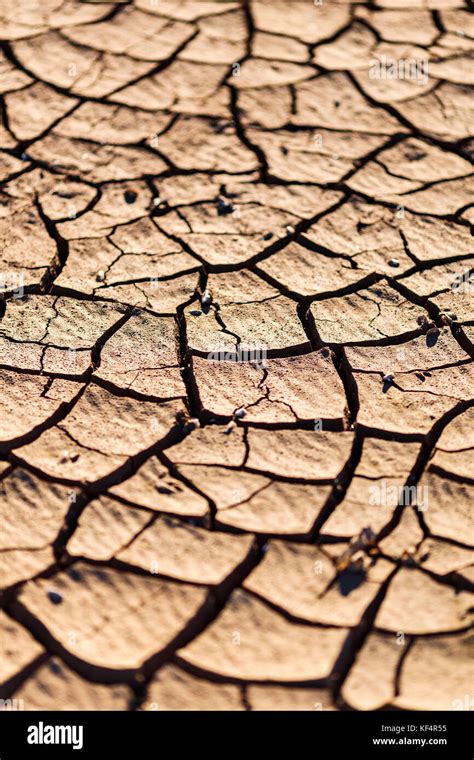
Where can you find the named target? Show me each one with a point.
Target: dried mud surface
(181, 178)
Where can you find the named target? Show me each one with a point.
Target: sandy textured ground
(181, 179)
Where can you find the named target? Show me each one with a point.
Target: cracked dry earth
(180, 178)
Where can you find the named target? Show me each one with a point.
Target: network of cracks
(184, 182)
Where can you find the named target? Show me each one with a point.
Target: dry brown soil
(181, 178)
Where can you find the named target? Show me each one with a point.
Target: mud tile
(118, 619)
(279, 509)
(111, 124)
(370, 314)
(358, 228)
(288, 698)
(174, 689)
(230, 237)
(301, 580)
(400, 174)
(459, 434)
(59, 322)
(272, 46)
(455, 523)
(266, 107)
(162, 296)
(12, 78)
(113, 208)
(444, 114)
(46, 104)
(187, 10)
(209, 148)
(21, 648)
(27, 253)
(351, 50)
(303, 156)
(152, 486)
(142, 357)
(382, 458)
(417, 604)
(370, 684)
(405, 538)
(442, 557)
(23, 407)
(183, 87)
(87, 269)
(18, 565)
(101, 433)
(138, 35)
(105, 527)
(440, 199)
(262, 327)
(221, 39)
(239, 288)
(299, 453)
(309, 272)
(431, 238)
(262, 73)
(54, 686)
(437, 673)
(332, 101)
(415, 355)
(409, 25)
(414, 411)
(309, 23)
(225, 387)
(33, 510)
(455, 462)
(249, 641)
(226, 487)
(210, 446)
(53, 59)
(93, 161)
(30, 19)
(178, 550)
(366, 504)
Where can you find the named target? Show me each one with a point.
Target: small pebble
(421, 319)
(290, 229)
(206, 298)
(240, 413)
(394, 263)
(196, 312)
(100, 276)
(451, 315)
(224, 207)
(130, 196)
(388, 378)
(229, 428)
(54, 597)
(267, 236)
